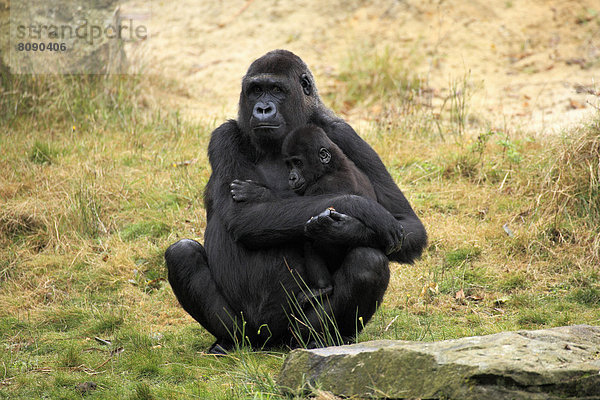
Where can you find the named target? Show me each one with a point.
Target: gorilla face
(266, 96)
(277, 96)
(308, 156)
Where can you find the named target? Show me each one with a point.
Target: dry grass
(569, 196)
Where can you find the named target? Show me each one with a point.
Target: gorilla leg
(358, 288)
(198, 294)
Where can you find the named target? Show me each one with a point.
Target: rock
(67, 37)
(543, 364)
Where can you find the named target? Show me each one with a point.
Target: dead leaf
(429, 290)
(460, 295)
(575, 105)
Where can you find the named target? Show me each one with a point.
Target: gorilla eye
(257, 89)
(277, 89)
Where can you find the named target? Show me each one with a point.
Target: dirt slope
(530, 64)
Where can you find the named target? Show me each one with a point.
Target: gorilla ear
(306, 84)
(324, 155)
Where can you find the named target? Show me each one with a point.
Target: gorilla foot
(219, 350)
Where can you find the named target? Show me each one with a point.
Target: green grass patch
(458, 257)
(145, 229)
(514, 281)
(589, 296)
(42, 153)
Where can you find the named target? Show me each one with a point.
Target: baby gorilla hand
(333, 227)
(248, 190)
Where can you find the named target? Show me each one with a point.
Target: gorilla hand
(248, 190)
(333, 227)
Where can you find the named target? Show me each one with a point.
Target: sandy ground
(530, 65)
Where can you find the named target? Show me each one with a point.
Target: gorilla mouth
(266, 126)
(299, 189)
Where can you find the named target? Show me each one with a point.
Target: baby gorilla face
(307, 156)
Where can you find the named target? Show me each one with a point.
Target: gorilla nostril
(263, 111)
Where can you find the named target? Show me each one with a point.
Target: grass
(94, 186)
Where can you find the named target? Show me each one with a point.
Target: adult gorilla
(237, 286)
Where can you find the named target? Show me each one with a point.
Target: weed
(107, 322)
(142, 392)
(458, 257)
(153, 229)
(64, 319)
(77, 102)
(375, 76)
(42, 153)
(533, 318)
(569, 190)
(458, 99)
(589, 296)
(87, 210)
(513, 281)
(71, 357)
(509, 149)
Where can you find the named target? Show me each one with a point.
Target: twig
(391, 322)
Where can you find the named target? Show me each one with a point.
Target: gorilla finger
(237, 196)
(393, 248)
(396, 242)
(317, 224)
(336, 216)
(326, 213)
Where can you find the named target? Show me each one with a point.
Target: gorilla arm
(280, 221)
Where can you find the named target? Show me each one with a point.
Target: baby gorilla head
(309, 155)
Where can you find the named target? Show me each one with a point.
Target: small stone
(86, 387)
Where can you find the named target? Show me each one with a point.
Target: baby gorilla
(318, 166)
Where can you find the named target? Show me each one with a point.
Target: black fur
(318, 166)
(253, 250)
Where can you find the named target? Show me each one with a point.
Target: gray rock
(69, 37)
(555, 363)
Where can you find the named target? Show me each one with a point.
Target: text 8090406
(50, 46)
